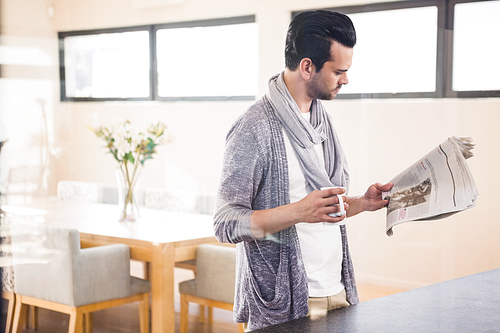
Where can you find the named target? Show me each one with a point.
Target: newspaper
(438, 185)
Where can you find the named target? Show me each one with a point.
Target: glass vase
(127, 177)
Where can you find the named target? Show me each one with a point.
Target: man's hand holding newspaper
(438, 185)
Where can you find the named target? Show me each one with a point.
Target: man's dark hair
(310, 35)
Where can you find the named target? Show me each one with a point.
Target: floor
(125, 319)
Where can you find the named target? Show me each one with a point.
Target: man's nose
(344, 79)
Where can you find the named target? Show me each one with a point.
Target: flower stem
(130, 178)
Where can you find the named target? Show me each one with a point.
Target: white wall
(380, 137)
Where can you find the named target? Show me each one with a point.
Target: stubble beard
(316, 90)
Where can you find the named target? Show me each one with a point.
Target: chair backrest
(183, 201)
(24, 174)
(43, 259)
(24, 179)
(49, 265)
(7, 278)
(79, 191)
(215, 272)
(72, 190)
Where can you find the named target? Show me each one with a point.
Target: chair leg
(201, 313)
(34, 316)
(10, 312)
(146, 271)
(31, 316)
(19, 316)
(144, 314)
(210, 315)
(88, 322)
(240, 328)
(75, 321)
(27, 316)
(184, 314)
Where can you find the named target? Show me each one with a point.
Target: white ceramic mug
(341, 206)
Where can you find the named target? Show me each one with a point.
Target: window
(428, 48)
(404, 61)
(107, 65)
(475, 67)
(222, 59)
(200, 60)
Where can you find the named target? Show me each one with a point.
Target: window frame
(444, 51)
(153, 69)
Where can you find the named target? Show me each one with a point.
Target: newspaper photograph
(438, 185)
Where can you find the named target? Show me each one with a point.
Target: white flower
(123, 138)
(93, 122)
(123, 147)
(119, 134)
(137, 139)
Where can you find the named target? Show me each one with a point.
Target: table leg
(162, 289)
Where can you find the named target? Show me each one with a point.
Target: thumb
(384, 187)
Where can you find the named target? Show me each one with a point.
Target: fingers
(334, 200)
(317, 206)
(332, 191)
(333, 214)
(335, 208)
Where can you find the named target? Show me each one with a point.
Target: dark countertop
(468, 304)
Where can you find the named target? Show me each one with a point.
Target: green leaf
(146, 158)
(151, 144)
(129, 157)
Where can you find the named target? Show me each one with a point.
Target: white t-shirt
(321, 245)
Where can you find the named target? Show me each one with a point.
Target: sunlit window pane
(213, 61)
(395, 51)
(111, 65)
(476, 46)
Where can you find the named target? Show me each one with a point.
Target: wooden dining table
(159, 237)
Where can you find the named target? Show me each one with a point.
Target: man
(279, 153)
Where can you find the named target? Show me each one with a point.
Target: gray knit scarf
(304, 136)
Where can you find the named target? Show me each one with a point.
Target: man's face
(326, 83)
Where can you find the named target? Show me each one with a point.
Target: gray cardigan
(271, 281)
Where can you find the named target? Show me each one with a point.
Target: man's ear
(306, 68)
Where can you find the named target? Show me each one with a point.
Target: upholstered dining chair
(80, 191)
(52, 272)
(7, 271)
(24, 179)
(214, 282)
